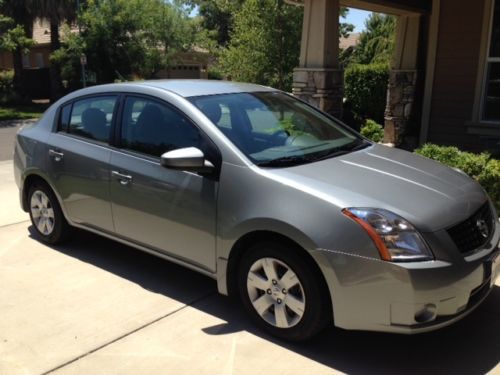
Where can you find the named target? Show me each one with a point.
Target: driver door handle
(123, 178)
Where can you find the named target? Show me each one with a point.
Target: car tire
(46, 214)
(292, 305)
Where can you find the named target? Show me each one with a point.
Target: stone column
(318, 79)
(400, 98)
(402, 80)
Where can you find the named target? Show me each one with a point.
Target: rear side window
(91, 118)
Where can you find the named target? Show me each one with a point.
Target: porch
(319, 77)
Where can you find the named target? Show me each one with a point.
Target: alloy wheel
(42, 212)
(276, 293)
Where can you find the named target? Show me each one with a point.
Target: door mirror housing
(188, 159)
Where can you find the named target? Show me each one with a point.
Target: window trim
(486, 62)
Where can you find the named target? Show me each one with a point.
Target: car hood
(427, 193)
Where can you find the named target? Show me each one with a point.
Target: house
(350, 41)
(445, 72)
(190, 64)
(39, 55)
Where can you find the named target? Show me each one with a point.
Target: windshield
(274, 129)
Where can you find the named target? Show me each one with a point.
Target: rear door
(171, 211)
(78, 159)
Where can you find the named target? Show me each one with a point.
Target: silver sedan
(304, 219)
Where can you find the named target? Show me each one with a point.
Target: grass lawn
(21, 111)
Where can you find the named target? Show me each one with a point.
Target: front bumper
(371, 294)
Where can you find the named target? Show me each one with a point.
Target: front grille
(468, 235)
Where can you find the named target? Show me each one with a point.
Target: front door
(170, 211)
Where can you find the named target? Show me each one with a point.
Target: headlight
(395, 238)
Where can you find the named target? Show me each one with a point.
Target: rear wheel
(46, 214)
(282, 292)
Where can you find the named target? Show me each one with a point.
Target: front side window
(275, 129)
(153, 128)
(91, 118)
(491, 102)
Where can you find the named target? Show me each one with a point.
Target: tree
(264, 46)
(12, 35)
(376, 43)
(345, 28)
(265, 43)
(56, 12)
(125, 38)
(217, 17)
(17, 14)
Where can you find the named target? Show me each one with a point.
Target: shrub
(366, 89)
(489, 179)
(481, 167)
(6, 86)
(373, 131)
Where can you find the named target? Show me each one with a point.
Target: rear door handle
(56, 155)
(123, 178)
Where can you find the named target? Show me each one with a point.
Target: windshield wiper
(286, 161)
(342, 150)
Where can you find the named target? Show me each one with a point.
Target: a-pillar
(318, 79)
(402, 79)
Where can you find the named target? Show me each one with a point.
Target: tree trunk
(17, 56)
(20, 91)
(56, 87)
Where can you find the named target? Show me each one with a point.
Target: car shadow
(469, 346)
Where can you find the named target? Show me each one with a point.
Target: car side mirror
(188, 159)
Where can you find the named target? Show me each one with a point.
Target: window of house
(91, 118)
(491, 102)
(26, 60)
(153, 128)
(39, 60)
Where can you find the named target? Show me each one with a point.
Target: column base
(400, 99)
(322, 88)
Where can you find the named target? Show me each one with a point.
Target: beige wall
(6, 62)
(37, 54)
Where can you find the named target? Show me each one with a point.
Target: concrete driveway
(94, 306)
(8, 131)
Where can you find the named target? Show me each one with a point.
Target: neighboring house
(38, 56)
(350, 42)
(445, 73)
(192, 64)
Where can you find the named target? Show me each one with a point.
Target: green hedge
(481, 167)
(366, 90)
(6, 85)
(373, 131)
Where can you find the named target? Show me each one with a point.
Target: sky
(357, 17)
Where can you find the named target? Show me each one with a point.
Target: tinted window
(153, 128)
(64, 117)
(91, 118)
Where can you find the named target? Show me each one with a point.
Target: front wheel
(282, 292)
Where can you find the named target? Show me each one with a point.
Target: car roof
(190, 87)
